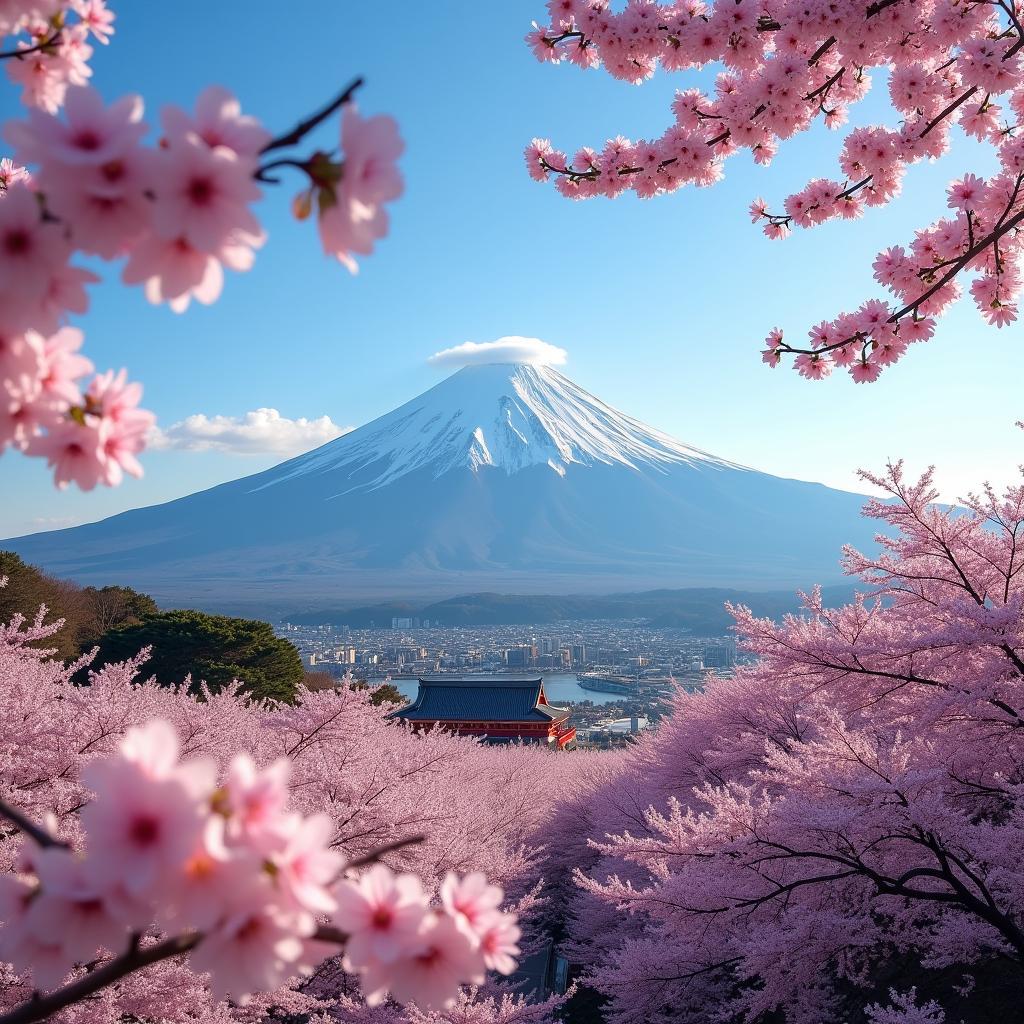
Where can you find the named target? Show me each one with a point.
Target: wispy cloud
(259, 432)
(511, 349)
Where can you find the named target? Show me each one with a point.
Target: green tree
(386, 693)
(215, 649)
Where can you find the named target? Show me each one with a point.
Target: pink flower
(371, 147)
(149, 812)
(254, 949)
(90, 134)
(174, 271)
(202, 195)
(350, 226)
(73, 450)
(11, 173)
(21, 360)
(813, 367)
(97, 17)
(218, 121)
(43, 77)
(71, 911)
(382, 913)
(210, 880)
(62, 365)
(966, 193)
(758, 209)
(470, 902)
(30, 251)
(256, 799)
(864, 372)
(443, 959)
(499, 937)
(306, 865)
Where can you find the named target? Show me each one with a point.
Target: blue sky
(661, 304)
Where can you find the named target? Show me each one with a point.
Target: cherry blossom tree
(843, 816)
(787, 65)
(177, 212)
(166, 853)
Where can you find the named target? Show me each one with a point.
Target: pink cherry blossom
(382, 914)
(97, 17)
(305, 865)
(470, 901)
(74, 450)
(350, 226)
(70, 910)
(90, 134)
(30, 250)
(499, 938)
(147, 818)
(254, 949)
(443, 958)
(371, 148)
(218, 121)
(257, 798)
(202, 195)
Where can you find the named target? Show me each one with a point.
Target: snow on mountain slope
(503, 477)
(504, 415)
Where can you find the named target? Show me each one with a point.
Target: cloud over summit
(510, 349)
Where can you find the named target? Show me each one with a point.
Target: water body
(560, 689)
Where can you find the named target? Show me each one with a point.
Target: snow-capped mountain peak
(507, 416)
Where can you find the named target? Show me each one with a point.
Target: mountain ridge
(504, 477)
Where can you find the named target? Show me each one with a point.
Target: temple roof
(480, 700)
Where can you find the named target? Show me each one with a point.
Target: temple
(497, 710)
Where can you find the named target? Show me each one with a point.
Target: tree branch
(303, 128)
(29, 827)
(46, 44)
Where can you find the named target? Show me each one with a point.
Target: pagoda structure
(498, 710)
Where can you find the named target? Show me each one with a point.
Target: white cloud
(511, 349)
(259, 432)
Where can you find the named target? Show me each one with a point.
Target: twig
(44, 45)
(30, 828)
(303, 128)
(382, 851)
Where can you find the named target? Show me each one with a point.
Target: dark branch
(42, 47)
(30, 828)
(303, 128)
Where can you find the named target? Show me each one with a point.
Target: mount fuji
(505, 476)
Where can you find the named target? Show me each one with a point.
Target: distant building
(521, 656)
(498, 710)
(720, 655)
(579, 654)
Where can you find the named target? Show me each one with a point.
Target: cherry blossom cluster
(52, 48)
(227, 874)
(843, 814)
(787, 65)
(177, 213)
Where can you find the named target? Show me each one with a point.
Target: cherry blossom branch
(138, 957)
(303, 128)
(40, 1007)
(29, 827)
(45, 45)
(911, 307)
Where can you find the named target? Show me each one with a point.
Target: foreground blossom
(178, 210)
(781, 69)
(165, 843)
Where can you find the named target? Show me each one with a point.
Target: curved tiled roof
(480, 700)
